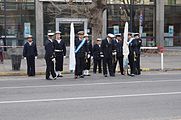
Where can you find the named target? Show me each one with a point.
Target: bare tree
(93, 11)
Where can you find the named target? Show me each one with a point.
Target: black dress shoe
(82, 76)
(60, 76)
(48, 79)
(105, 75)
(75, 77)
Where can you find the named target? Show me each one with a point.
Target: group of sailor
(105, 54)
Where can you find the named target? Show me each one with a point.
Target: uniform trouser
(138, 71)
(97, 63)
(30, 65)
(1, 56)
(59, 62)
(80, 65)
(108, 62)
(131, 63)
(120, 61)
(50, 68)
(87, 63)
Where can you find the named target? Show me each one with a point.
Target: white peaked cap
(50, 34)
(57, 32)
(110, 35)
(29, 36)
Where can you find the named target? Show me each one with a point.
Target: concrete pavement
(151, 96)
(149, 62)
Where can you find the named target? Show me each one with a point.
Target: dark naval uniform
(49, 56)
(96, 51)
(119, 55)
(88, 55)
(137, 45)
(107, 48)
(80, 58)
(131, 56)
(60, 52)
(30, 51)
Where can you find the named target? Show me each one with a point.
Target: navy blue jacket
(30, 50)
(107, 48)
(82, 50)
(96, 50)
(49, 49)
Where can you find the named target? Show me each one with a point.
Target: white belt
(58, 50)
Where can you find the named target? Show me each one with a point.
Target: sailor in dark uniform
(107, 46)
(60, 53)
(97, 56)
(119, 53)
(137, 50)
(88, 55)
(80, 51)
(131, 56)
(30, 53)
(50, 57)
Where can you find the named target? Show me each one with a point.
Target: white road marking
(91, 98)
(89, 84)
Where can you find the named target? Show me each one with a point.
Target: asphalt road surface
(151, 96)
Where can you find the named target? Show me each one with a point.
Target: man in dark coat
(60, 53)
(80, 51)
(107, 47)
(50, 57)
(30, 53)
(97, 56)
(119, 53)
(88, 55)
(131, 56)
(137, 45)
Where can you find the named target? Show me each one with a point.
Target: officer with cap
(131, 55)
(30, 53)
(50, 57)
(60, 53)
(97, 56)
(119, 52)
(137, 49)
(88, 55)
(80, 51)
(107, 47)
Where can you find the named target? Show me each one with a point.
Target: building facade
(158, 21)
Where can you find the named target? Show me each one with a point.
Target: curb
(23, 73)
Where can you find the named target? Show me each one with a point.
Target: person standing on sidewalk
(1, 51)
(119, 51)
(107, 47)
(50, 57)
(80, 51)
(88, 55)
(137, 49)
(96, 51)
(60, 53)
(30, 54)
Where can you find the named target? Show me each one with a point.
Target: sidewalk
(149, 62)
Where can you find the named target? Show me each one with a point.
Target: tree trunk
(97, 25)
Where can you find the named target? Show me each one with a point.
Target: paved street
(151, 96)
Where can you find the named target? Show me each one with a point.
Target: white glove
(24, 58)
(88, 56)
(102, 55)
(36, 57)
(53, 59)
(114, 53)
(64, 57)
